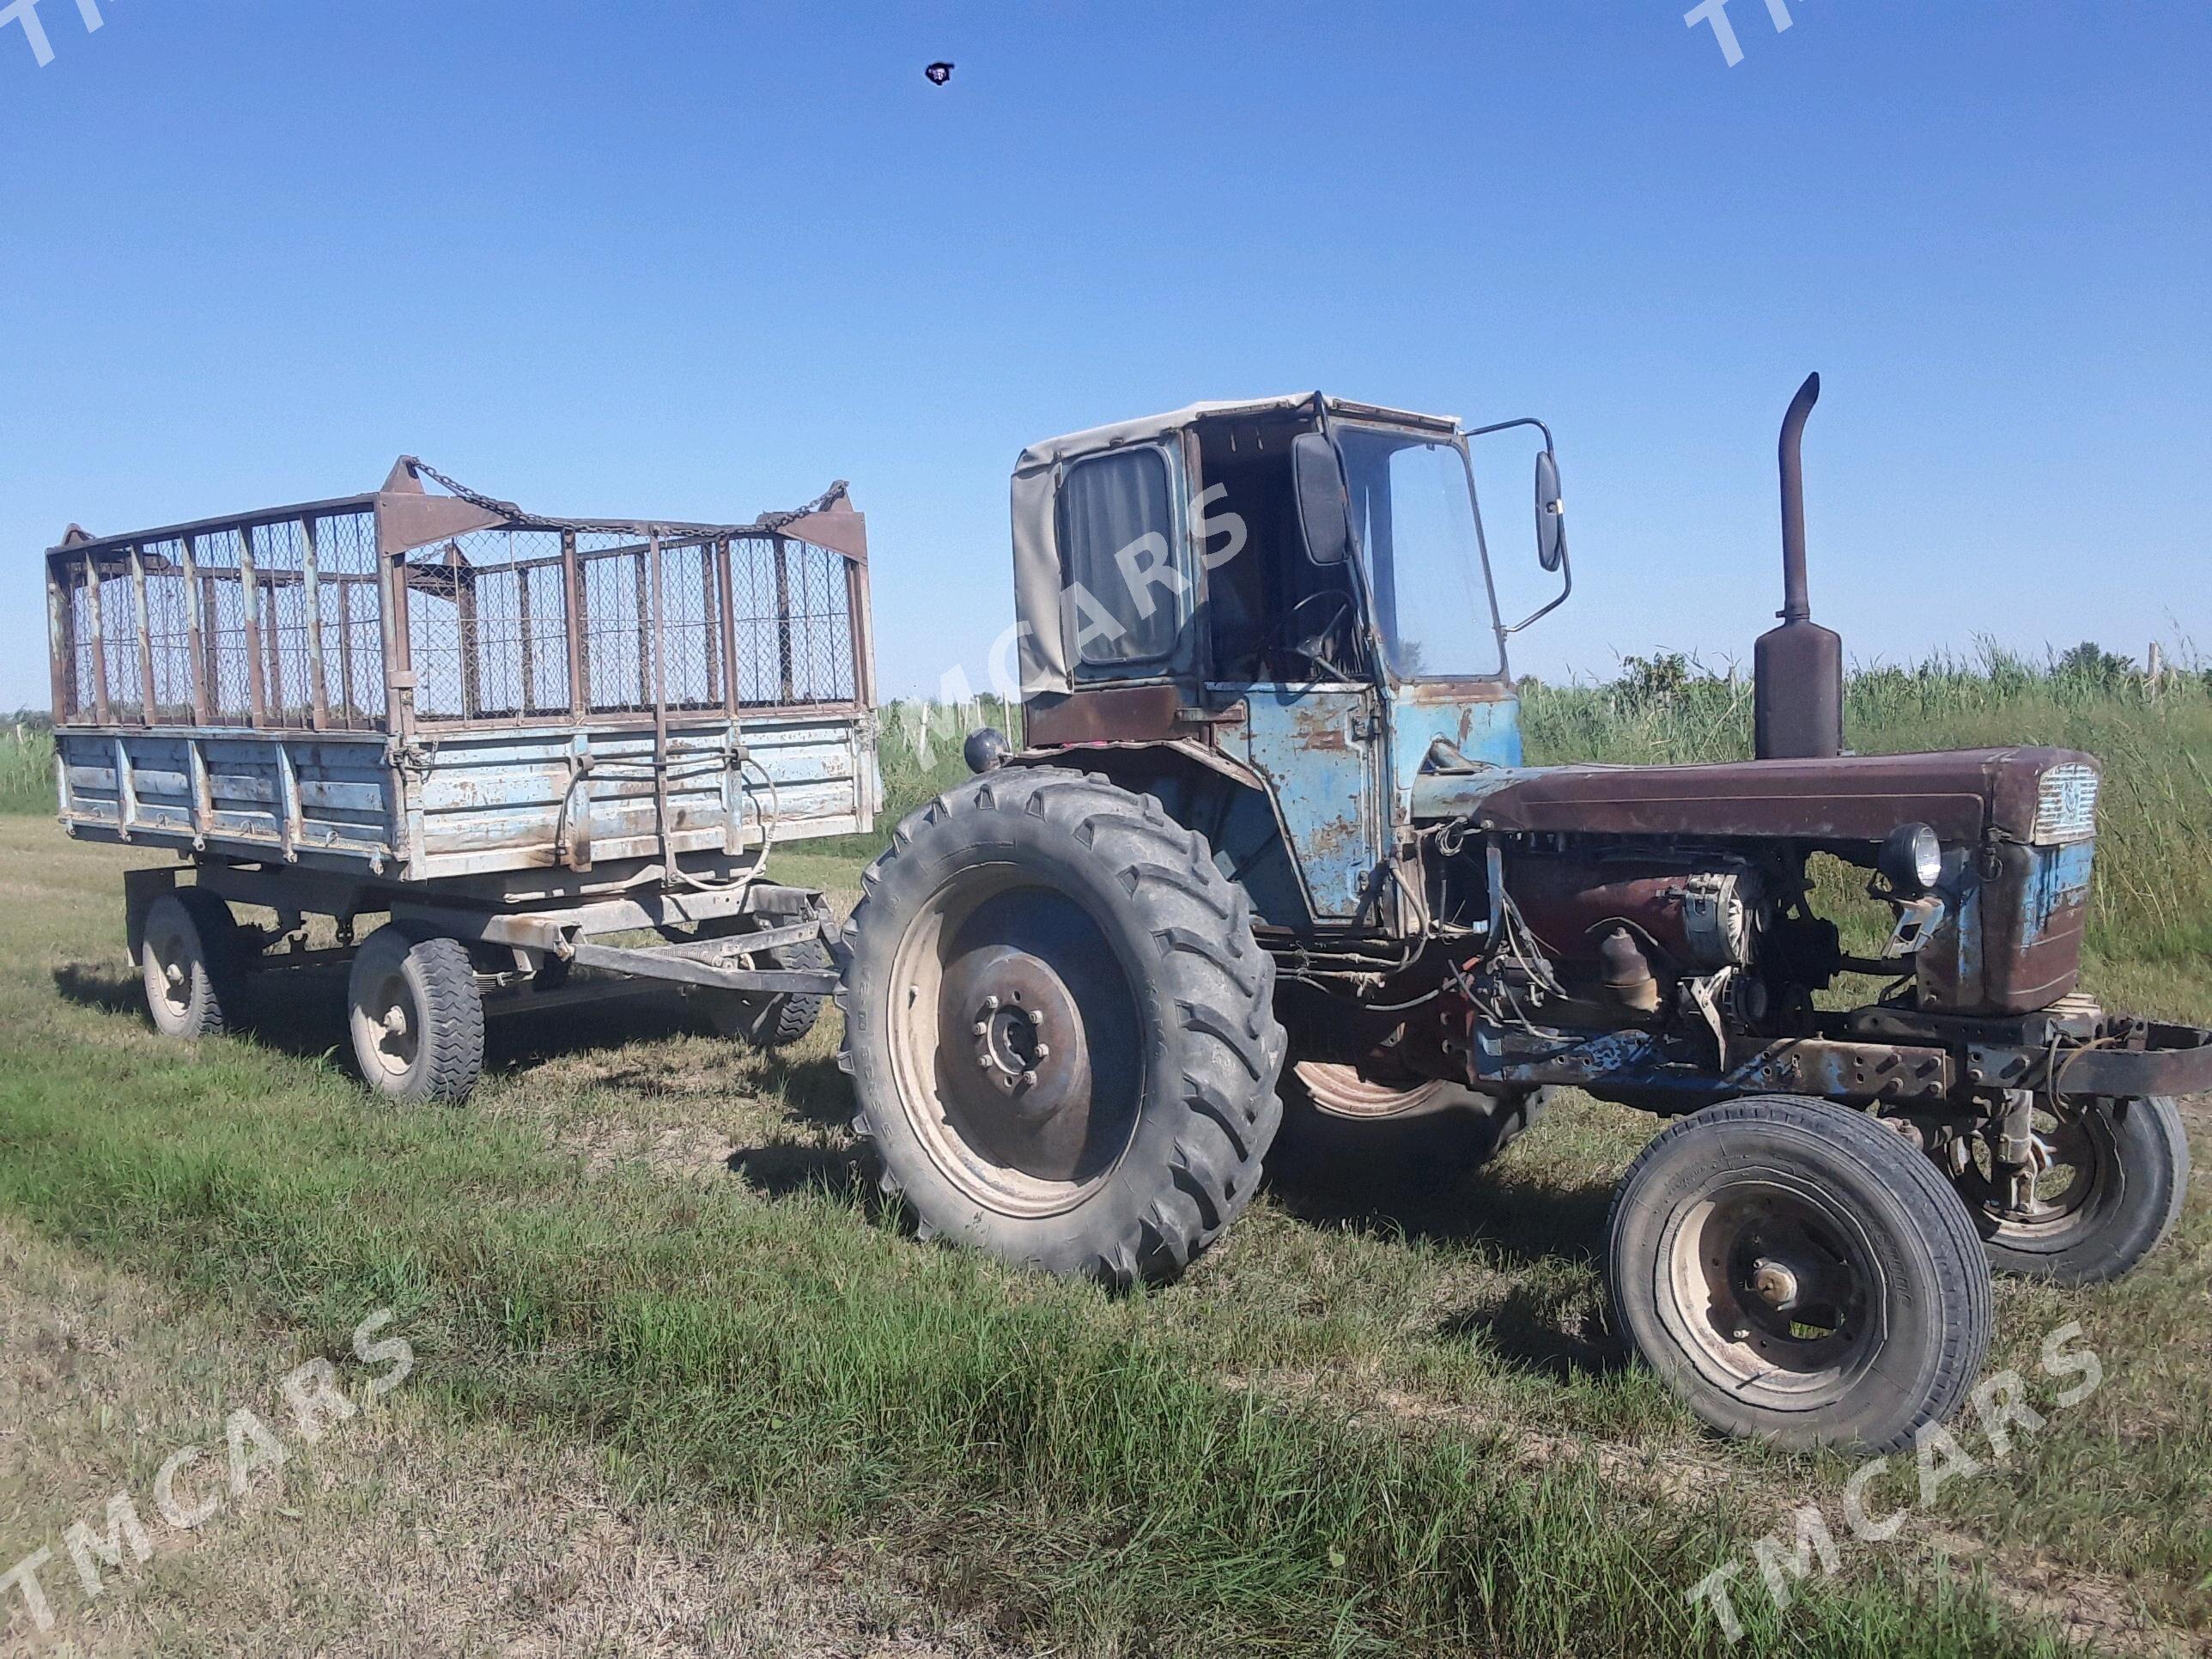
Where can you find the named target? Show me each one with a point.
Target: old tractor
(1269, 847)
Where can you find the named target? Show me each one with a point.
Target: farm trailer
(521, 739)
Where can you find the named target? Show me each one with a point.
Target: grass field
(680, 1386)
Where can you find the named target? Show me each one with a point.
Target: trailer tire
(192, 964)
(416, 1015)
(773, 1019)
(1798, 1273)
(2127, 1163)
(1345, 1134)
(1061, 1027)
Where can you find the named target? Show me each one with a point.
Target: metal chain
(767, 524)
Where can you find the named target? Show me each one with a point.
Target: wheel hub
(1022, 1086)
(1774, 1283)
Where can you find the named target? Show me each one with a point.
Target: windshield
(1413, 510)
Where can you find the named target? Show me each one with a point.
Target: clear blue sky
(701, 258)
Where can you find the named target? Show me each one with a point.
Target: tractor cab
(1300, 587)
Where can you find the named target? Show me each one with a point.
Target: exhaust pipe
(1797, 693)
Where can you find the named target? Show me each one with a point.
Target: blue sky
(699, 259)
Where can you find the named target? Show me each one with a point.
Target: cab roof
(1150, 428)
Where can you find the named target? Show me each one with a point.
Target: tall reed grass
(26, 771)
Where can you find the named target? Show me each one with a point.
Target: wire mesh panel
(792, 624)
(168, 632)
(276, 620)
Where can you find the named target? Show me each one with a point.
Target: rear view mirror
(1551, 514)
(1324, 514)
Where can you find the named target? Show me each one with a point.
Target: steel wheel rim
(1341, 1091)
(171, 966)
(996, 968)
(388, 1026)
(1773, 1291)
(2073, 1161)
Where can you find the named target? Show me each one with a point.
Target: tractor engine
(1634, 934)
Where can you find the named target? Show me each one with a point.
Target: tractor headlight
(1911, 858)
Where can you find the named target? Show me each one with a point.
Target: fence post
(580, 666)
(529, 638)
(61, 643)
(249, 596)
(145, 634)
(196, 645)
(318, 701)
(99, 642)
(783, 617)
(723, 555)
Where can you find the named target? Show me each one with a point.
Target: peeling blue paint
(2059, 881)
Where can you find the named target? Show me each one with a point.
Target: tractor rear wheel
(1061, 1027)
(1348, 1132)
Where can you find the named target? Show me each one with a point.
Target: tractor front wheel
(2104, 1188)
(1059, 1027)
(1797, 1273)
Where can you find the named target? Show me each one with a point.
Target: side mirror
(1551, 514)
(1324, 514)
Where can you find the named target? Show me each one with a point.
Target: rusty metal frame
(87, 644)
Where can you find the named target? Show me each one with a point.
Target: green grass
(1143, 1474)
(1343, 1432)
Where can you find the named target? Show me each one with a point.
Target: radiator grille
(2066, 804)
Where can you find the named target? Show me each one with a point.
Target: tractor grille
(2066, 804)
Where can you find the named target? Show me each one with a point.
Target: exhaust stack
(1797, 693)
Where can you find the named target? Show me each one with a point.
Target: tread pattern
(454, 1021)
(219, 982)
(1227, 1045)
(780, 1018)
(449, 1059)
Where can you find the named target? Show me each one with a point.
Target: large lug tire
(2108, 1189)
(1348, 1134)
(193, 964)
(1796, 1272)
(416, 1015)
(1059, 1027)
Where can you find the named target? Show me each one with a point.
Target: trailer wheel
(2107, 1189)
(416, 1016)
(1059, 1027)
(1345, 1132)
(772, 1019)
(192, 965)
(1798, 1273)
